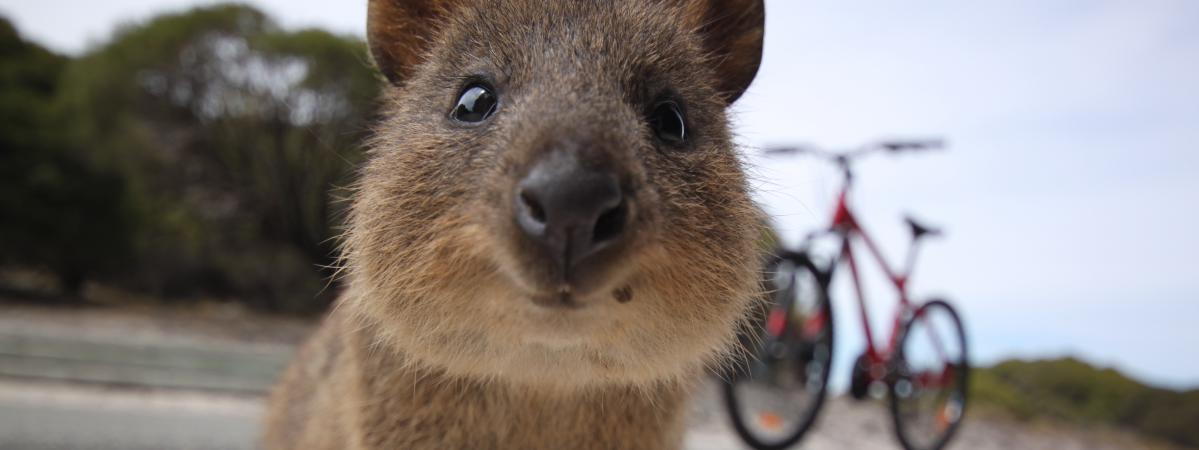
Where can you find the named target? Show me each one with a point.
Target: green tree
(230, 135)
(56, 211)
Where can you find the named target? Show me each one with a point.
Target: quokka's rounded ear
(398, 32)
(732, 32)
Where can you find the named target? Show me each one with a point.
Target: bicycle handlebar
(890, 146)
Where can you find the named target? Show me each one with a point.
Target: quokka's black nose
(570, 210)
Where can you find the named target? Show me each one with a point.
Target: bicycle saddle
(920, 230)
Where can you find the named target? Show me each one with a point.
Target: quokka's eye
(667, 121)
(476, 103)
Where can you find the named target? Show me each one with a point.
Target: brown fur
(435, 343)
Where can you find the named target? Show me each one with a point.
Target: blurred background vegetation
(1072, 391)
(195, 155)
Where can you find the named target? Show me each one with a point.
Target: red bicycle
(923, 366)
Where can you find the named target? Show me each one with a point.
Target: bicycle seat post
(843, 161)
(911, 259)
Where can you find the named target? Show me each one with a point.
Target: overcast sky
(1069, 191)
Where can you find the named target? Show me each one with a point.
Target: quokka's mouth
(563, 299)
(568, 298)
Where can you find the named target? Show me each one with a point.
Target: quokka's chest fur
(356, 397)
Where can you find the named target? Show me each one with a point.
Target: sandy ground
(847, 424)
(38, 413)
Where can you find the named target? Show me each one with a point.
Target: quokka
(552, 236)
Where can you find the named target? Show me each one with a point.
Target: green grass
(1073, 391)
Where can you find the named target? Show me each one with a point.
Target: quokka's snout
(573, 219)
(576, 211)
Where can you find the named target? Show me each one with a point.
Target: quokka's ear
(732, 32)
(399, 31)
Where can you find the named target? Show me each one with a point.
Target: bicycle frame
(846, 225)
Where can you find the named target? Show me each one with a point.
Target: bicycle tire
(799, 263)
(961, 377)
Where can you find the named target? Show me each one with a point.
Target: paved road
(42, 416)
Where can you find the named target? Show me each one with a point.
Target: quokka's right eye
(476, 103)
(667, 121)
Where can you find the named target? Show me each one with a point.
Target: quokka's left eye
(667, 121)
(476, 103)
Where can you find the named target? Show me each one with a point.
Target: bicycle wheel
(774, 400)
(930, 371)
